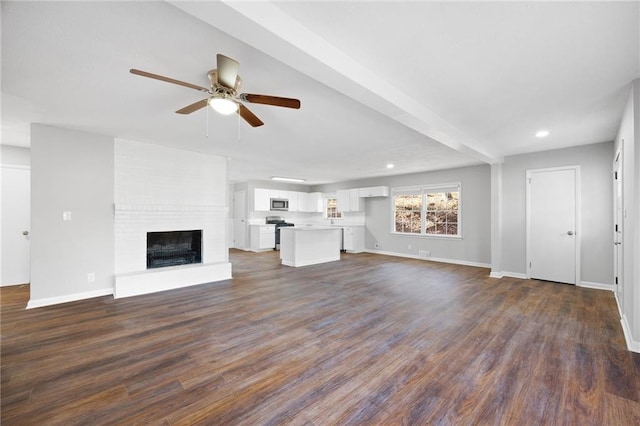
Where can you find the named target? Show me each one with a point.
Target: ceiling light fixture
(542, 133)
(223, 105)
(288, 179)
(390, 166)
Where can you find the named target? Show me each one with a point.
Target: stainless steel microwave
(279, 204)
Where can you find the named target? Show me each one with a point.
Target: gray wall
(628, 141)
(597, 214)
(15, 155)
(475, 245)
(71, 171)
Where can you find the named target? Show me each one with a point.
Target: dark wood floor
(368, 340)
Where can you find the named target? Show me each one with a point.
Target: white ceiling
(424, 85)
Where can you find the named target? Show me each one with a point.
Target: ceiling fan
(223, 94)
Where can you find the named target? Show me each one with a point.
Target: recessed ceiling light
(542, 133)
(390, 166)
(287, 179)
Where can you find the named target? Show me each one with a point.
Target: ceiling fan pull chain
(207, 132)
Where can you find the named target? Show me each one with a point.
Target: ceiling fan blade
(227, 71)
(270, 100)
(248, 116)
(193, 107)
(168, 80)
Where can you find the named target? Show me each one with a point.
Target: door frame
(239, 240)
(618, 226)
(578, 218)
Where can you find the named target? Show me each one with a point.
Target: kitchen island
(309, 245)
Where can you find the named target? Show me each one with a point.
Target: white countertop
(310, 228)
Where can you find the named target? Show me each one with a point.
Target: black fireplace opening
(173, 248)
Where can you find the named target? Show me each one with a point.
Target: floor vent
(424, 254)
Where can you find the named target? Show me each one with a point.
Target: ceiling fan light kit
(223, 94)
(223, 106)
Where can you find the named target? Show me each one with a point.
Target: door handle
(569, 232)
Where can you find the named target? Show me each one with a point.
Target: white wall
(15, 155)
(597, 217)
(628, 141)
(70, 171)
(475, 246)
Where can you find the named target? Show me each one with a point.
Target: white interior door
(16, 221)
(239, 220)
(553, 222)
(618, 247)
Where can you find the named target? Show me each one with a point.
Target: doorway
(553, 224)
(239, 220)
(16, 222)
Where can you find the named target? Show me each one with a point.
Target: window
(331, 208)
(427, 210)
(408, 213)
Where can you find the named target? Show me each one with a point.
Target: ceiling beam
(267, 28)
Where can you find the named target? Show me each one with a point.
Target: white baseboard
(518, 275)
(38, 303)
(597, 286)
(162, 279)
(12, 284)
(496, 274)
(632, 345)
(615, 295)
(432, 259)
(310, 262)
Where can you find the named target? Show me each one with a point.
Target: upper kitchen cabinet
(374, 191)
(314, 202)
(294, 204)
(298, 201)
(349, 200)
(262, 200)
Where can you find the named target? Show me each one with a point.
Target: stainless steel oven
(279, 204)
(279, 223)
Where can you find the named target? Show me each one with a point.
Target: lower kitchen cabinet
(263, 237)
(353, 239)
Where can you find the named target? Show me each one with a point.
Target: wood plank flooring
(367, 340)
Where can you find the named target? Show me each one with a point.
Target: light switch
(66, 215)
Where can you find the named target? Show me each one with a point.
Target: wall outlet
(91, 277)
(377, 245)
(424, 254)
(409, 247)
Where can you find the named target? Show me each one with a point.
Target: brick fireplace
(160, 190)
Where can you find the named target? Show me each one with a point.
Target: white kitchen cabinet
(261, 200)
(353, 239)
(303, 204)
(263, 237)
(279, 193)
(292, 196)
(349, 200)
(314, 202)
(374, 191)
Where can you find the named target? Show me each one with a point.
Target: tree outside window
(442, 213)
(408, 212)
(331, 208)
(429, 210)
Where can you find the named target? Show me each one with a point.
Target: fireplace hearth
(173, 248)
